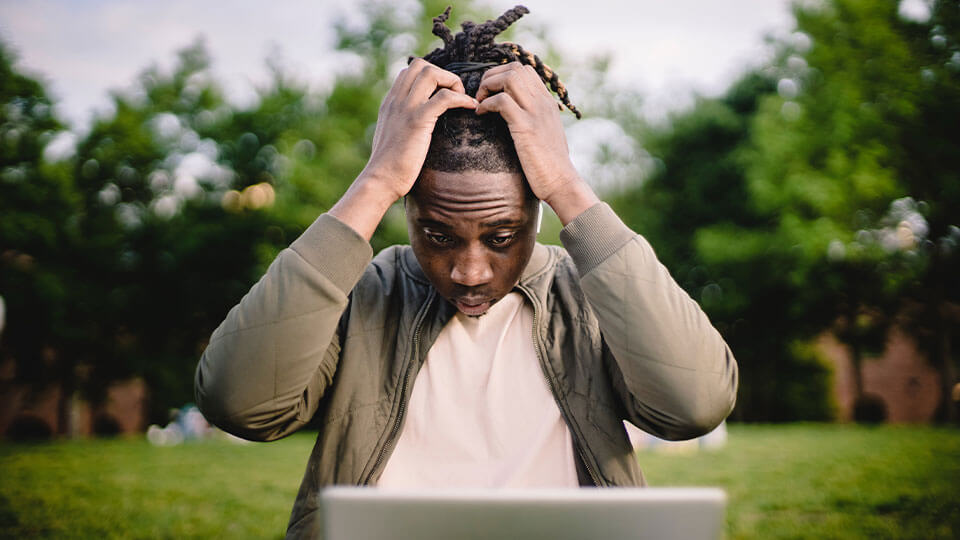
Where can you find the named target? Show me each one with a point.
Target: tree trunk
(64, 407)
(940, 348)
(948, 373)
(856, 359)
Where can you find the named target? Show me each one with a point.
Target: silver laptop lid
(357, 513)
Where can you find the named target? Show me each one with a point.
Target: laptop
(366, 513)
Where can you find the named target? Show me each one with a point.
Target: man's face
(473, 233)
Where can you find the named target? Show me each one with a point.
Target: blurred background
(795, 165)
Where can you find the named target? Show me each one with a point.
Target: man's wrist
(378, 186)
(335, 249)
(572, 199)
(594, 235)
(364, 204)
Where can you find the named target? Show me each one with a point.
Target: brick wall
(901, 377)
(125, 407)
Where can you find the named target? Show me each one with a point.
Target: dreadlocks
(462, 140)
(465, 52)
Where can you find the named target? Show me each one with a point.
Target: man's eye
(439, 239)
(501, 240)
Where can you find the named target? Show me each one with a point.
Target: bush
(28, 427)
(869, 409)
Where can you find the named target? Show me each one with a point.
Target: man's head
(473, 233)
(471, 216)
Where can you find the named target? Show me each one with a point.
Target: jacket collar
(539, 261)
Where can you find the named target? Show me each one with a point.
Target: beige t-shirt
(481, 414)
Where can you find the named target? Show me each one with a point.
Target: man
(475, 356)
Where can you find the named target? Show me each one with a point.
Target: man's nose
(471, 268)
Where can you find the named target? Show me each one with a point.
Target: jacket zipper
(395, 430)
(553, 388)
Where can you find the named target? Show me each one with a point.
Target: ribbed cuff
(594, 235)
(336, 250)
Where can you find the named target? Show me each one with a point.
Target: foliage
(819, 193)
(174, 204)
(791, 205)
(930, 144)
(37, 203)
(159, 254)
(833, 161)
(706, 231)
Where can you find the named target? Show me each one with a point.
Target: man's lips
(472, 306)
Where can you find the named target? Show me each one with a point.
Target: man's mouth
(472, 306)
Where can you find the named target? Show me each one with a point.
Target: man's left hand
(517, 93)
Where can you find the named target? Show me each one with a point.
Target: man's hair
(463, 140)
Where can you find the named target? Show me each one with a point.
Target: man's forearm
(680, 375)
(269, 362)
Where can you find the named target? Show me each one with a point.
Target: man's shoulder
(399, 256)
(557, 260)
(390, 254)
(394, 264)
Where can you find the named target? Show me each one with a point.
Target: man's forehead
(490, 214)
(470, 185)
(480, 198)
(518, 219)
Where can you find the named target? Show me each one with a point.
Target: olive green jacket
(329, 335)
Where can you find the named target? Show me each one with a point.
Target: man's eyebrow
(503, 223)
(432, 223)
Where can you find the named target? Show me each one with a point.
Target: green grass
(828, 481)
(793, 481)
(130, 489)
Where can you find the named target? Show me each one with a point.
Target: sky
(85, 48)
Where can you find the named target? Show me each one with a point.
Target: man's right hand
(408, 114)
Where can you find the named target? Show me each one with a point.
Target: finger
(531, 75)
(503, 104)
(493, 73)
(511, 82)
(444, 100)
(502, 68)
(407, 76)
(430, 79)
(526, 71)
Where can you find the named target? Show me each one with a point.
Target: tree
(930, 143)
(162, 254)
(699, 187)
(37, 204)
(822, 205)
(857, 134)
(172, 207)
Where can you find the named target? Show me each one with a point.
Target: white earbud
(539, 216)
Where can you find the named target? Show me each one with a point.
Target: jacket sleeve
(675, 375)
(270, 361)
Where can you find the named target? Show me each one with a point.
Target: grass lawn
(828, 481)
(792, 481)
